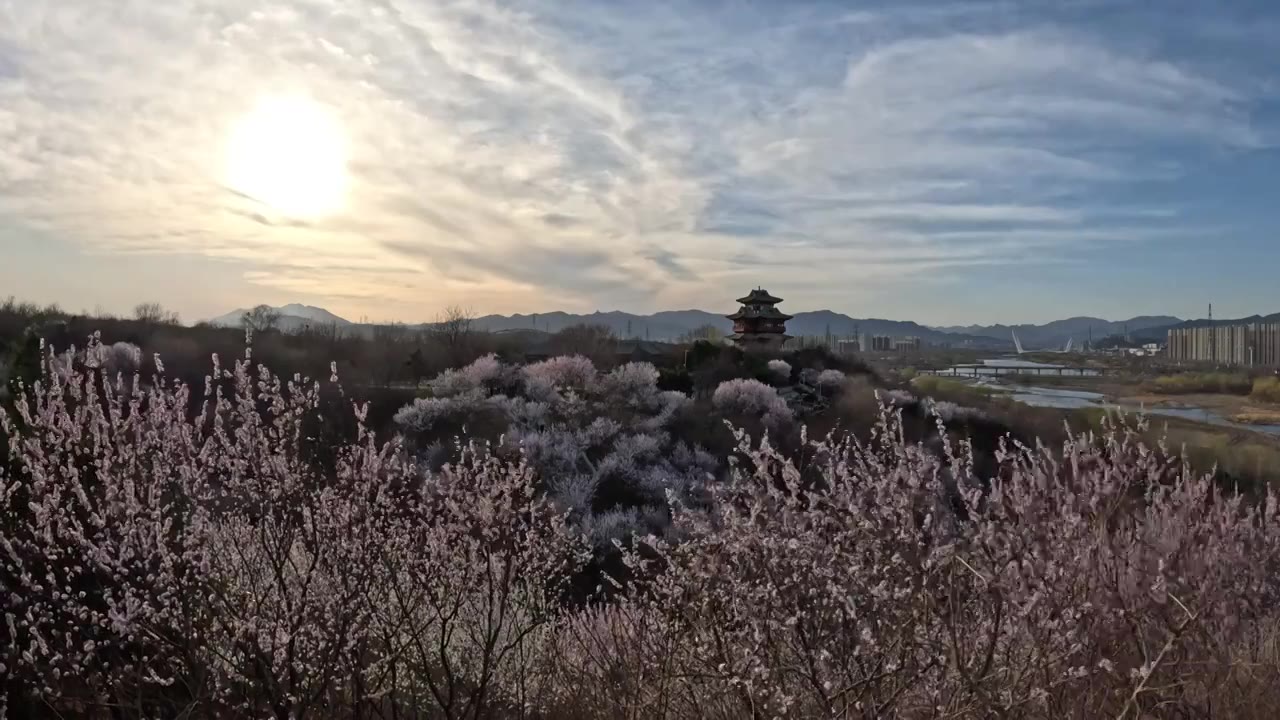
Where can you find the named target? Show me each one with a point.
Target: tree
(266, 557)
(417, 366)
(260, 319)
(710, 333)
(392, 334)
(597, 342)
(138, 579)
(454, 331)
(749, 398)
(781, 371)
(324, 332)
(599, 442)
(155, 314)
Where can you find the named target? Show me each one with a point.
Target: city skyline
(948, 163)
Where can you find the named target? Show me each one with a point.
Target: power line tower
(1213, 338)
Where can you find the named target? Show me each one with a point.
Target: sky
(945, 162)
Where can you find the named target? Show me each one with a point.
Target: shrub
(598, 442)
(898, 398)
(1266, 389)
(950, 412)
(781, 371)
(675, 380)
(952, 389)
(482, 373)
(122, 357)
(829, 379)
(564, 372)
(1115, 584)
(752, 398)
(820, 358)
(1226, 383)
(157, 565)
(247, 561)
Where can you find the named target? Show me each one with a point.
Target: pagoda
(758, 325)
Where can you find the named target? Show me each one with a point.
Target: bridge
(984, 370)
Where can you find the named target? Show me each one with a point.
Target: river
(1075, 399)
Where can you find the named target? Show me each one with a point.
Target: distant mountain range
(671, 324)
(1272, 318)
(1080, 329)
(666, 325)
(1142, 329)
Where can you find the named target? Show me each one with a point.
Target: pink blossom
(781, 370)
(751, 398)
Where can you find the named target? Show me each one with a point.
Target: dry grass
(1267, 390)
(1257, 416)
(1188, 383)
(957, 391)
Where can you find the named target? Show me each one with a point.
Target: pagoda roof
(769, 313)
(759, 295)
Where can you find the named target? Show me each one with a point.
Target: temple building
(758, 325)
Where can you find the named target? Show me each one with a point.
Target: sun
(289, 153)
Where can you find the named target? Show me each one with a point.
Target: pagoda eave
(775, 315)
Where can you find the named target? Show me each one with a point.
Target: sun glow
(290, 154)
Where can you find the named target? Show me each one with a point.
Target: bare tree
(392, 334)
(387, 353)
(155, 313)
(454, 331)
(597, 342)
(261, 319)
(327, 332)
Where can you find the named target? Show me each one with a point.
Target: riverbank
(1246, 454)
(1237, 408)
(1130, 392)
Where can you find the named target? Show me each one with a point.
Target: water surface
(1078, 399)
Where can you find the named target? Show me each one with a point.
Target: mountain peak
(293, 314)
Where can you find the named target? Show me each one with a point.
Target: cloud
(670, 263)
(593, 154)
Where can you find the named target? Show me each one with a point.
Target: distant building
(1246, 345)
(848, 347)
(907, 344)
(881, 343)
(758, 325)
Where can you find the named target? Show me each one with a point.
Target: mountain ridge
(672, 324)
(1079, 328)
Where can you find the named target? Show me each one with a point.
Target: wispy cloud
(592, 154)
